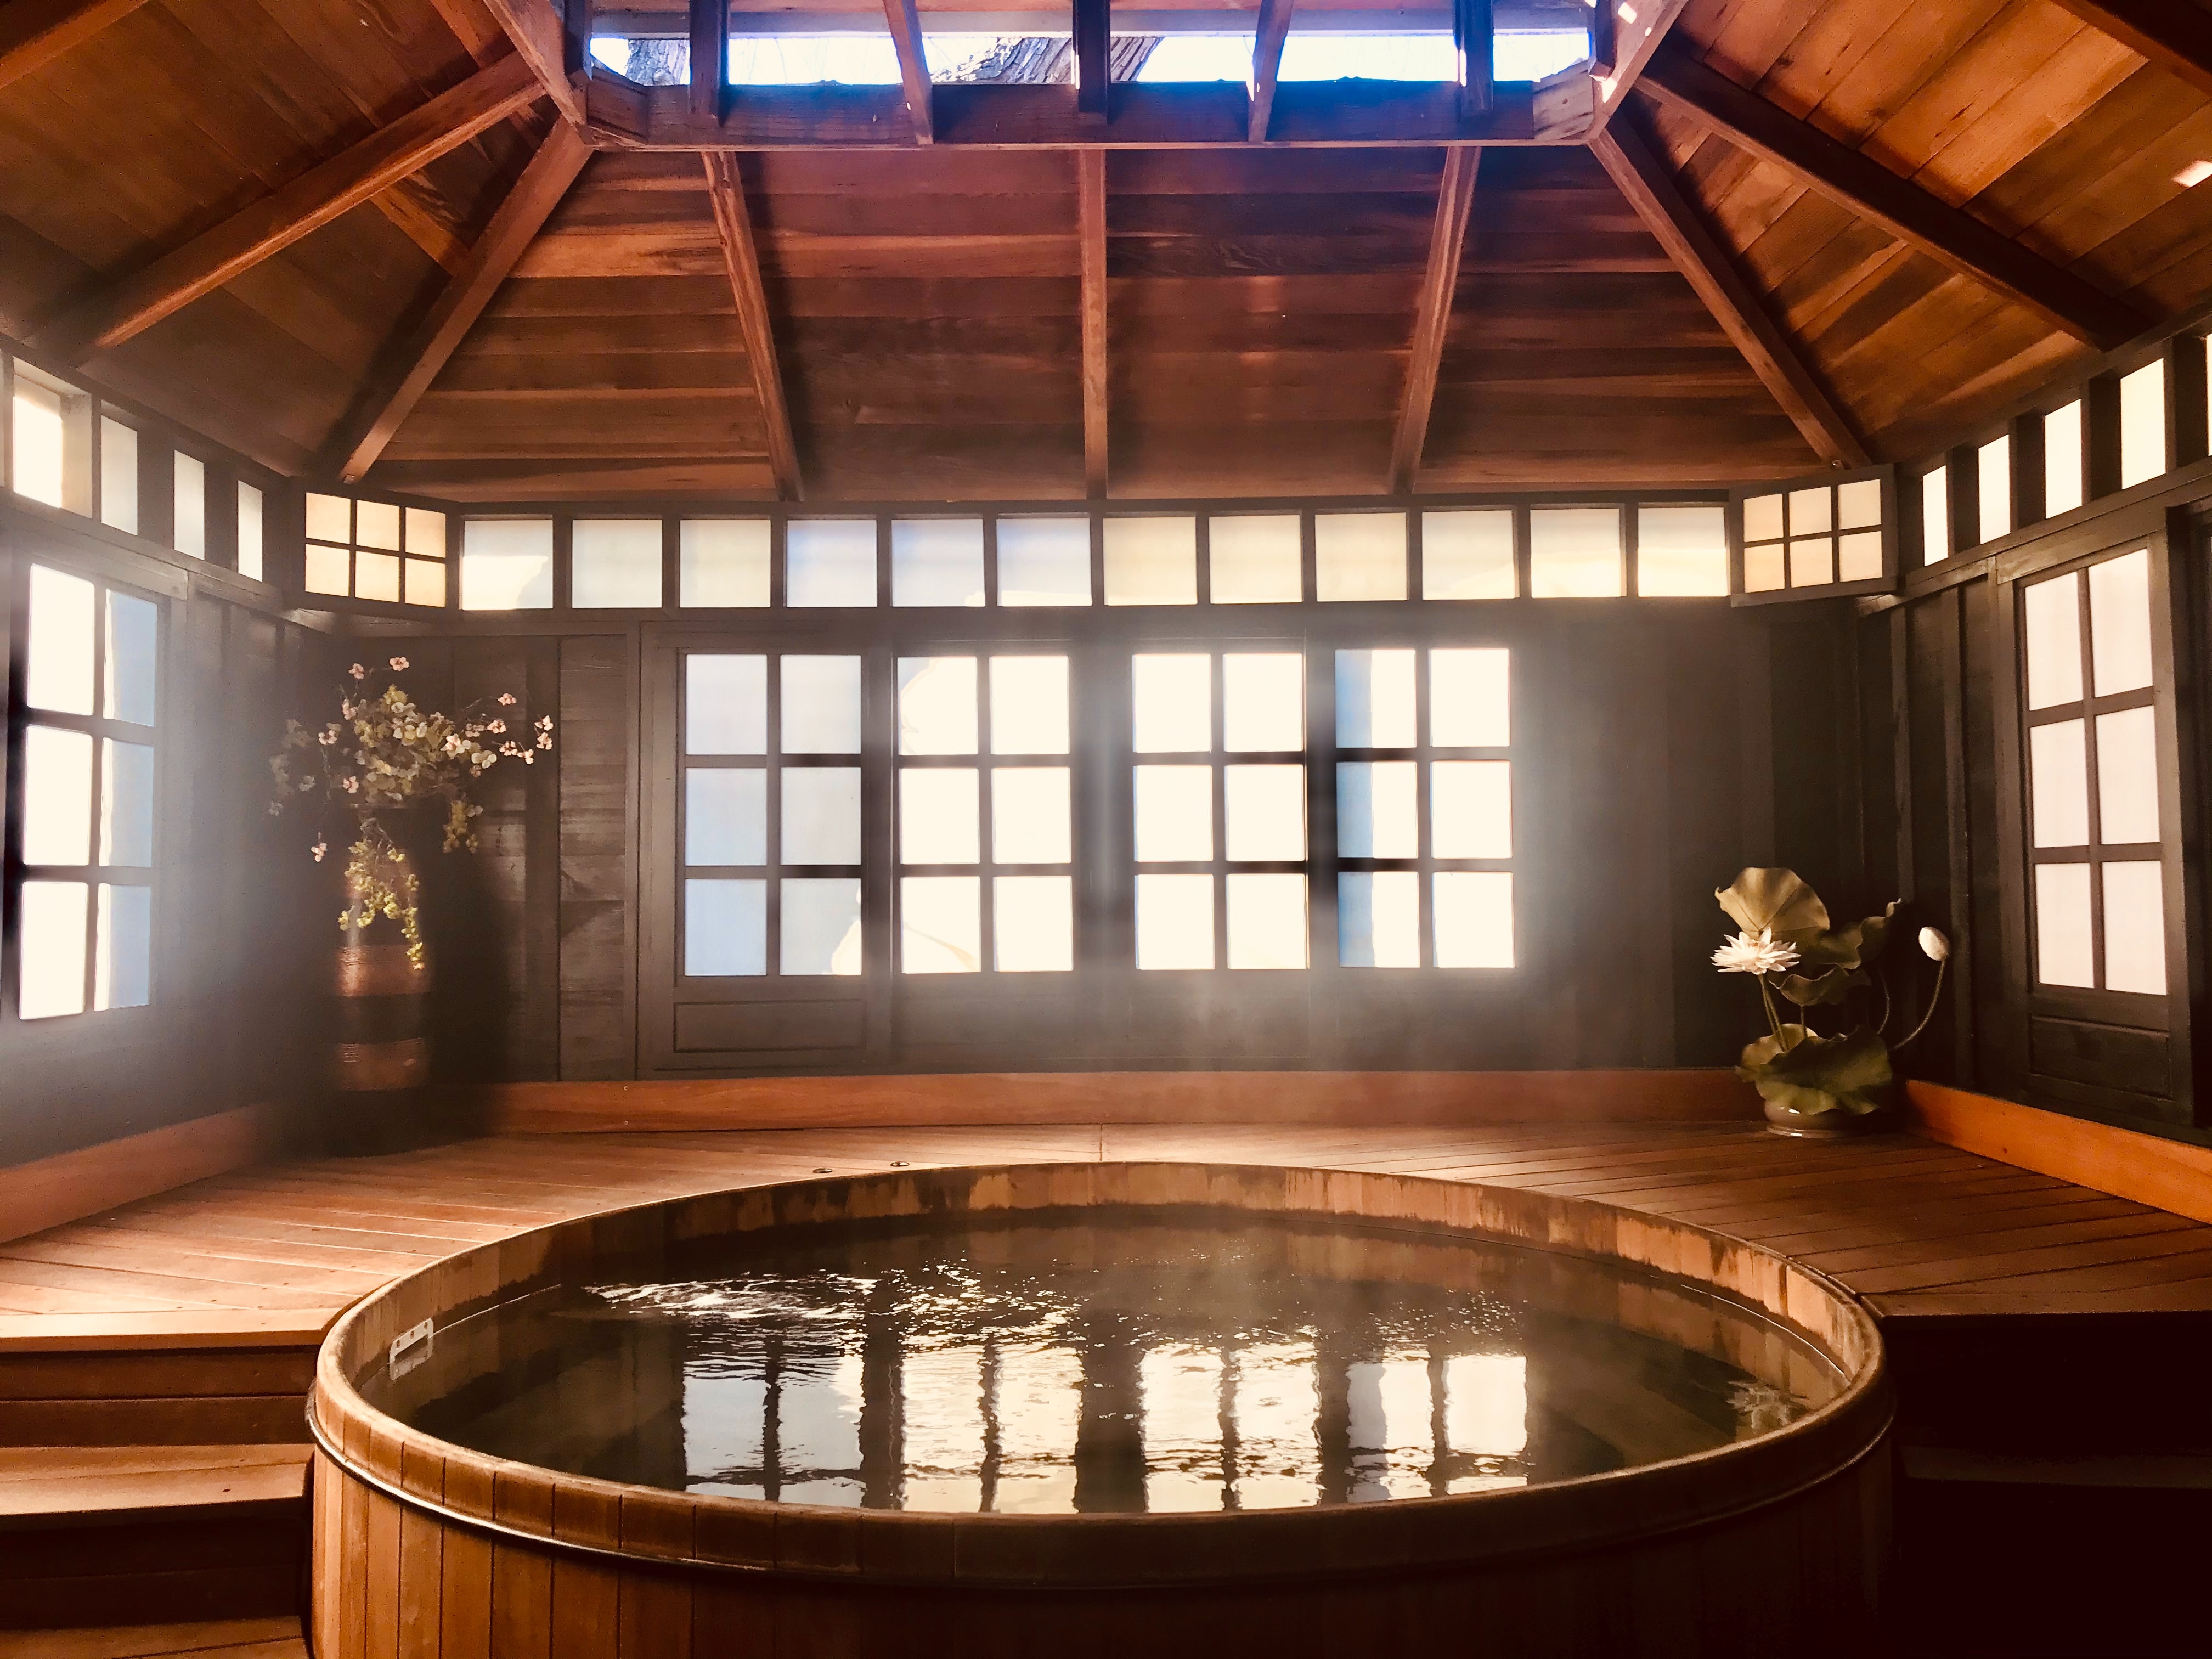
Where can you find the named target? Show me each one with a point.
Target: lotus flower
(1747, 953)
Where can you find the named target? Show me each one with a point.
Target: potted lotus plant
(1815, 1084)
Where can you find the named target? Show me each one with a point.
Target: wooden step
(229, 1377)
(221, 1638)
(92, 1486)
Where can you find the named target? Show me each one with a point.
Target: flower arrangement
(383, 753)
(1787, 945)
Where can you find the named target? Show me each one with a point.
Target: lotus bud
(1934, 945)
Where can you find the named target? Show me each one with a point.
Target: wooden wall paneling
(36, 33)
(2176, 36)
(1439, 288)
(1272, 29)
(741, 261)
(595, 748)
(1090, 229)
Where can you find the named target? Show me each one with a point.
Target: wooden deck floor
(1914, 1227)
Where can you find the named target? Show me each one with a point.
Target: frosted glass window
(1264, 814)
(1378, 918)
(941, 924)
(1152, 561)
(2061, 460)
(1359, 555)
(119, 477)
(725, 928)
(1858, 505)
(426, 582)
(937, 561)
(249, 538)
(132, 667)
(1934, 516)
(821, 705)
(122, 955)
(329, 569)
(1681, 552)
(1172, 704)
(725, 816)
(2062, 952)
(1267, 921)
(2135, 927)
(1762, 519)
(821, 926)
(725, 705)
(375, 576)
(2119, 624)
(52, 927)
(1255, 559)
(60, 671)
(376, 523)
(2051, 616)
(2142, 425)
(2127, 777)
(1033, 924)
(821, 814)
(57, 796)
(723, 563)
(190, 520)
(938, 818)
(2058, 783)
(426, 532)
(330, 518)
(1468, 555)
(1811, 511)
(1471, 809)
(1174, 921)
(1263, 702)
(1764, 568)
(1029, 705)
(39, 466)
(1474, 911)
(830, 562)
(126, 804)
(1469, 701)
(1044, 561)
(1377, 810)
(1031, 819)
(1574, 553)
(615, 564)
(1859, 557)
(1993, 465)
(506, 564)
(1175, 814)
(1811, 563)
(1375, 700)
(937, 705)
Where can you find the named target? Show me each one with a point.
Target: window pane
(2127, 777)
(725, 928)
(937, 705)
(1811, 563)
(937, 561)
(119, 477)
(821, 705)
(1044, 561)
(124, 960)
(506, 564)
(1255, 560)
(376, 576)
(426, 582)
(1264, 814)
(1474, 917)
(722, 562)
(126, 804)
(1174, 921)
(1378, 918)
(1574, 553)
(426, 533)
(1858, 505)
(2058, 784)
(2135, 928)
(2119, 624)
(1359, 555)
(1029, 705)
(1263, 702)
(1377, 810)
(329, 569)
(1175, 814)
(937, 819)
(1811, 511)
(1267, 922)
(830, 562)
(941, 924)
(1470, 705)
(376, 523)
(1682, 551)
(2142, 425)
(249, 531)
(1468, 555)
(725, 705)
(1762, 519)
(1858, 557)
(40, 469)
(1030, 822)
(1034, 923)
(1764, 568)
(57, 796)
(190, 521)
(1375, 700)
(724, 815)
(1993, 463)
(133, 633)
(1934, 516)
(2062, 954)
(2050, 616)
(821, 926)
(60, 671)
(614, 563)
(1152, 561)
(821, 814)
(330, 518)
(2061, 460)
(1471, 809)
(53, 918)
(1172, 704)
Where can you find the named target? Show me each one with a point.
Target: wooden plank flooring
(1912, 1224)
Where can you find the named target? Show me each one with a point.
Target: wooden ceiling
(350, 235)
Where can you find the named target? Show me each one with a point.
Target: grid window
(1681, 552)
(723, 563)
(189, 520)
(615, 564)
(1574, 553)
(1044, 561)
(830, 563)
(1425, 808)
(1254, 559)
(249, 533)
(1814, 536)
(770, 815)
(937, 561)
(2142, 425)
(1469, 555)
(378, 551)
(1359, 555)
(1993, 473)
(50, 428)
(1936, 514)
(118, 476)
(2063, 458)
(1152, 561)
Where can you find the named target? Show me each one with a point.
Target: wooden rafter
(1870, 190)
(710, 57)
(1094, 59)
(409, 369)
(1605, 37)
(33, 32)
(741, 257)
(2173, 33)
(309, 202)
(539, 36)
(905, 20)
(1632, 36)
(1658, 199)
(1432, 317)
(1475, 24)
(1091, 221)
(1267, 61)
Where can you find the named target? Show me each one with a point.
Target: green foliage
(1806, 1072)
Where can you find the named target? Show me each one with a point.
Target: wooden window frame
(1892, 536)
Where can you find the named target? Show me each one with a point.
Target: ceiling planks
(1439, 283)
(2171, 34)
(1091, 232)
(1268, 39)
(33, 32)
(1630, 52)
(725, 192)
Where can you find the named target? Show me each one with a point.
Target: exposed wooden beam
(1870, 190)
(33, 32)
(2173, 33)
(408, 371)
(726, 191)
(1267, 61)
(539, 34)
(1668, 214)
(1605, 37)
(905, 20)
(1091, 222)
(710, 57)
(1477, 40)
(308, 202)
(1432, 316)
(1094, 70)
(1631, 35)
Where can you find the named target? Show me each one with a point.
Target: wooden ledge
(184, 1329)
(2166, 1175)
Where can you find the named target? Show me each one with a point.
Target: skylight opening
(1401, 55)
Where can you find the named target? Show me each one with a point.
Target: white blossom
(1746, 954)
(400, 664)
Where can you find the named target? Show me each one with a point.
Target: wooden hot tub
(1769, 1545)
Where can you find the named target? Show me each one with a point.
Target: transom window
(375, 550)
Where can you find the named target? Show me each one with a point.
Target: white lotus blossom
(1934, 945)
(1747, 954)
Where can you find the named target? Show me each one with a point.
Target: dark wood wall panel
(596, 743)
